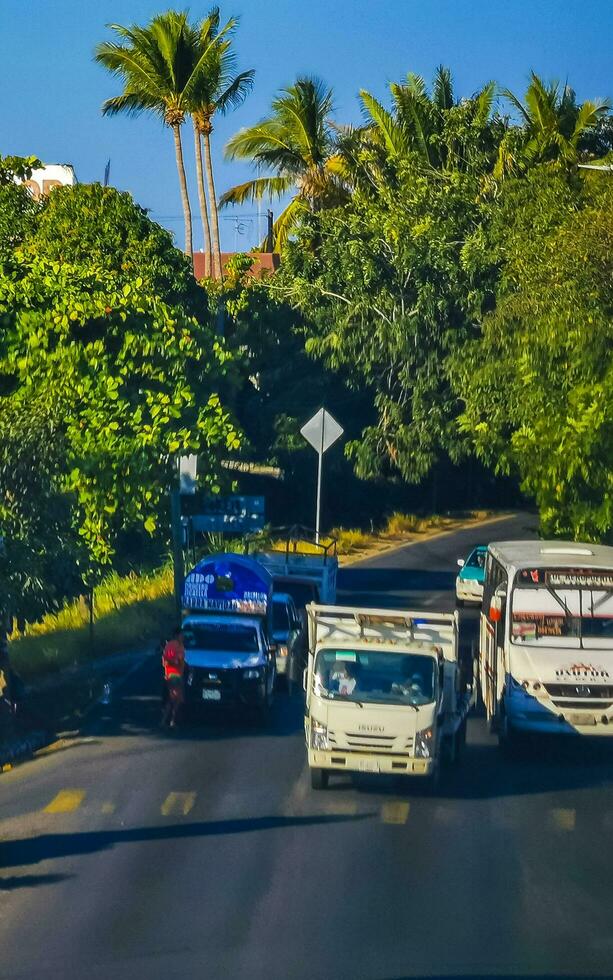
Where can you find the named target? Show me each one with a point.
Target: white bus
(546, 639)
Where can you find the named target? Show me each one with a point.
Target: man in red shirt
(173, 662)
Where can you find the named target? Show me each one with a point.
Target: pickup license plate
(368, 765)
(211, 695)
(574, 718)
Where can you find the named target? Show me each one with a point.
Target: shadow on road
(30, 881)
(47, 847)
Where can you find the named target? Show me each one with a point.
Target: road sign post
(321, 432)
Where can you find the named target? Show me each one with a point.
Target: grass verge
(130, 612)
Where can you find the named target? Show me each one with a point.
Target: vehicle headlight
(424, 743)
(282, 650)
(319, 736)
(252, 674)
(521, 687)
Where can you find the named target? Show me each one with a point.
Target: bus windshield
(376, 677)
(563, 608)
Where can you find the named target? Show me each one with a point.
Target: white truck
(302, 567)
(384, 692)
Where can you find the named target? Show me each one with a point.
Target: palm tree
(159, 69)
(298, 143)
(555, 128)
(416, 123)
(218, 89)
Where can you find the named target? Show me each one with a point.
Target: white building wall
(51, 175)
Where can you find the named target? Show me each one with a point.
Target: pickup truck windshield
(221, 637)
(375, 676)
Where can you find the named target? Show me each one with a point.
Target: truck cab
(227, 625)
(382, 692)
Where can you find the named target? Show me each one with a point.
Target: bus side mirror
(461, 562)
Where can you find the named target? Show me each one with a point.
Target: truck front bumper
(397, 765)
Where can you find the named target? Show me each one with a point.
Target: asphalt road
(206, 855)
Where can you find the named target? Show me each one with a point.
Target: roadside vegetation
(445, 289)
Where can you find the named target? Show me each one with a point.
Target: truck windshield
(229, 637)
(375, 676)
(547, 611)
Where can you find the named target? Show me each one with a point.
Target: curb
(19, 749)
(40, 743)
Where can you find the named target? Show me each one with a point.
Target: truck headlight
(252, 674)
(319, 736)
(424, 744)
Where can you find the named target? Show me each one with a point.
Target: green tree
(538, 385)
(298, 144)
(93, 226)
(386, 297)
(217, 90)
(137, 382)
(554, 127)
(18, 209)
(421, 122)
(158, 67)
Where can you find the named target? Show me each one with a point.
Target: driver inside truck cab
(343, 677)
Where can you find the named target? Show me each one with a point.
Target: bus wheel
(320, 778)
(508, 739)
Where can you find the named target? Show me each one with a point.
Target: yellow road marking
(66, 801)
(107, 808)
(395, 812)
(564, 819)
(178, 804)
(341, 808)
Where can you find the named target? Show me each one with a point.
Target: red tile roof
(264, 263)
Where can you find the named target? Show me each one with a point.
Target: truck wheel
(509, 742)
(320, 778)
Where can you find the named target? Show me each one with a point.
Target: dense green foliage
(538, 384)
(105, 377)
(445, 290)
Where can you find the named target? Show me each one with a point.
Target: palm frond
(256, 190)
(442, 88)
(386, 126)
(237, 91)
(286, 223)
(413, 111)
(484, 100)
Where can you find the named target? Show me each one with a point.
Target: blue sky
(51, 90)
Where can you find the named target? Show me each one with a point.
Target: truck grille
(359, 740)
(204, 677)
(595, 692)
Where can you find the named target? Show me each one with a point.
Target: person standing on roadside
(173, 663)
